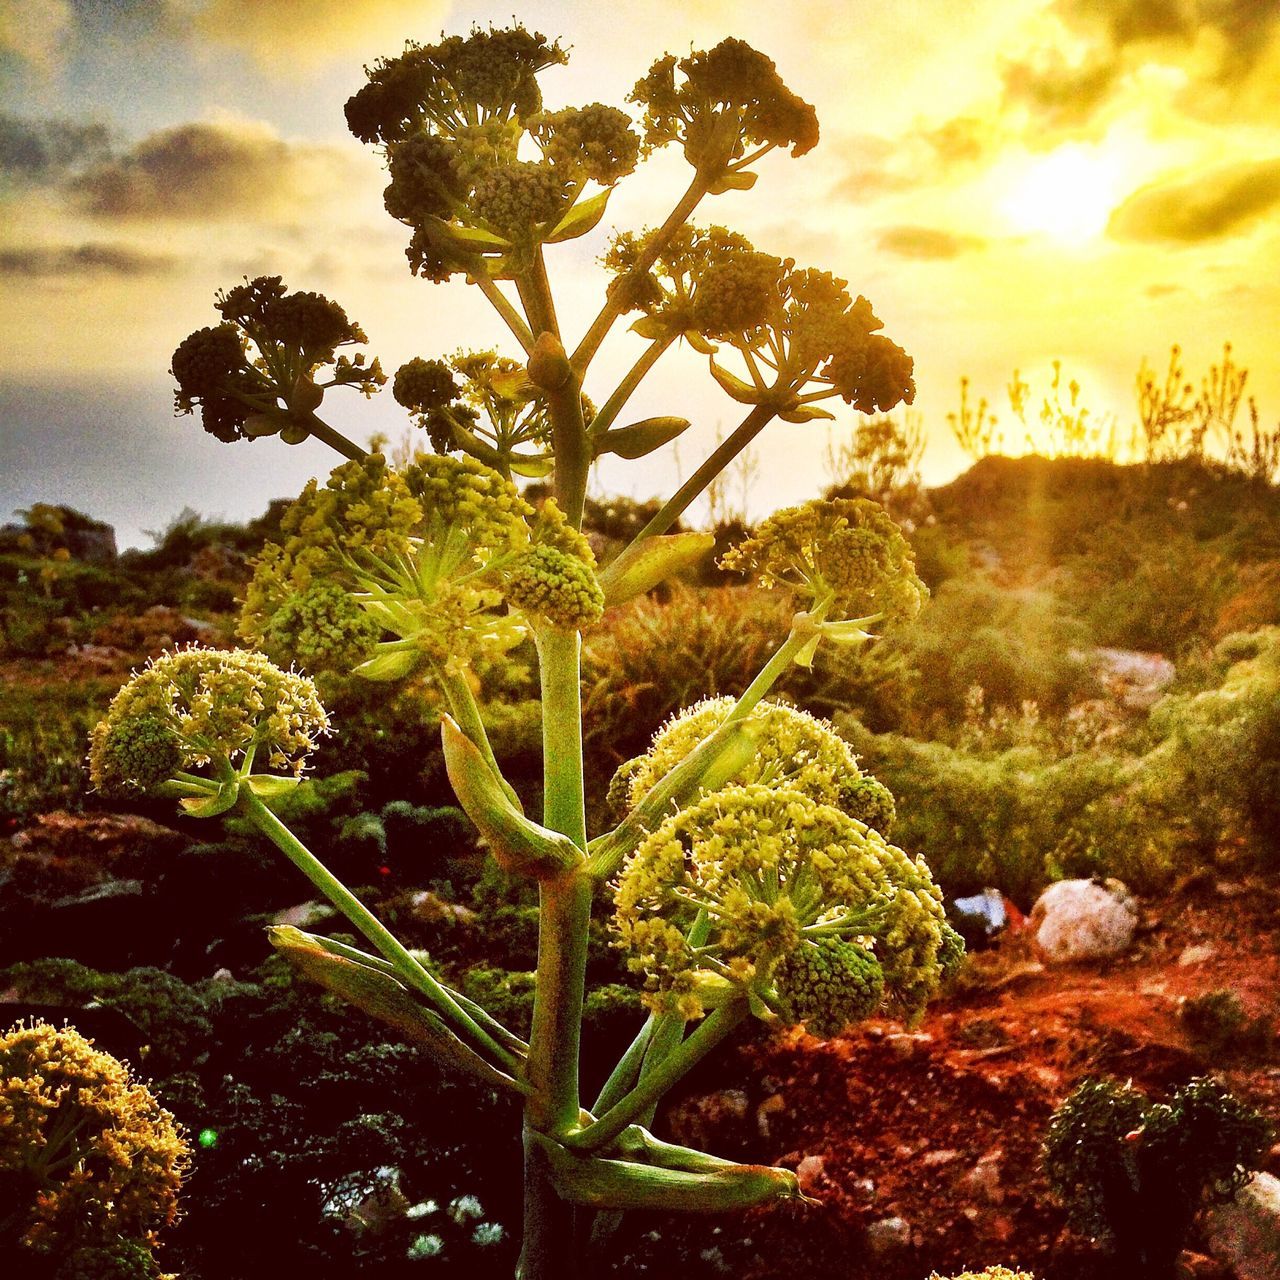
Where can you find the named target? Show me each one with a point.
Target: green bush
(1135, 1174)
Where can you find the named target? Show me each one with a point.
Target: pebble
(889, 1235)
(1197, 954)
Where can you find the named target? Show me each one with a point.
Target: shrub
(1135, 1174)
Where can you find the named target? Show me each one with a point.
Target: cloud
(47, 150)
(284, 35)
(926, 244)
(44, 262)
(211, 172)
(1059, 96)
(1207, 206)
(875, 166)
(34, 32)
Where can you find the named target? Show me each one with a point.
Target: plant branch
(406, 965)
(613, 406)
(502, 305)
(612, 308)
(732, 445)
(326, 434)
(709, 1033)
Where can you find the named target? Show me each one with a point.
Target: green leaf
(805, 657)
(732, 182)
(475, 237)
(699, 343)
(387, 999)
(603, 1183)
(646, 563)
(535, 468)
(640, 438)
(743, 392)
(519, 844)
(268, 785)
(580, 219)
(213, 805)
(391, 664)
(806, 413)
(649, 327)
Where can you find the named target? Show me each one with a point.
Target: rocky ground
(923, 1145)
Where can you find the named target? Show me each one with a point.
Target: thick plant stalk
(548, 1251)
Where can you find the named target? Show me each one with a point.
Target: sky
(1009, 183)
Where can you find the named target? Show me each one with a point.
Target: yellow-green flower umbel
(421, 551)
(768, 870)
(198, 708)
(794, 750)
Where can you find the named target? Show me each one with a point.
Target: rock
(1136, 679)
(1246, 1232)
(1197, 954)
(430, 908)
(81, 849)
(1084, 920)
(984, 1179)
(775, 1105)
(908, 1044)
(889, 1235)
(936, 1159)
(811, 1174)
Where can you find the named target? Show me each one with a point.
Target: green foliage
(1135, 1173)
(1218, 1022)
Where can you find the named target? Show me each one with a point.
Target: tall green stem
(564, 920)
(729, 448)
(406, 965)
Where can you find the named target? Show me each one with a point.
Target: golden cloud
(1206, 206)
(82, 261)
(926, 244)
(210, 172)
(286, 36)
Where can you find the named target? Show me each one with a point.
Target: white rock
(1197, 954)
(1246, 1232)
(888, 1235)
(1084, 920)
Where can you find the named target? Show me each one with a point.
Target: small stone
(810, 1173)
(935, 1159)
(1197, 954)
(306, 915)
(1246, 1232)
(984, 1179)
(889, 1235)
(907, 1044)
(772, 1106)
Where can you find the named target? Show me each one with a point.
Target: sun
(1067, 195)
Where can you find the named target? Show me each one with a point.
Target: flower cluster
(450, 87)
(196, 707)
(991, 1273)
(555, 579)
(417, 552)
(795, 750)
(768, 870)
(724, 101)
(255, 373)
(103, 1160)
(701, 279)
(594, 142)
(846, 552)
(451, 117)
(495, 414)
(120, 1260)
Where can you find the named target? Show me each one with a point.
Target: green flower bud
(323, 628)
(560, 587)
(134, 755)
(829, 984)
(870, 801)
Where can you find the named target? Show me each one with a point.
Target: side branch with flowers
(750, 868)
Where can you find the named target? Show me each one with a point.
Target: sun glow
(1067, 195)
